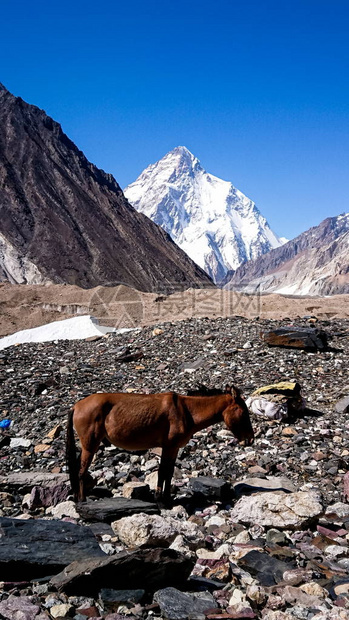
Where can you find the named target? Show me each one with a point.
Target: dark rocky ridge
(63, 220)
(317, 260)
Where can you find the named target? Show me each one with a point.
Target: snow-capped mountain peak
(211, 220)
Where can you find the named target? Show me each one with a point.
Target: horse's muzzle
(247, 442)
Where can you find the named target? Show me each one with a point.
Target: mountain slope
(211, 220)
(63, 220)
(314, 263)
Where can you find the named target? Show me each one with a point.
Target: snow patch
(77, 328)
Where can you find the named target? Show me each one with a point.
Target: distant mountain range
(314, 263)
(211, 220)
(63, 220)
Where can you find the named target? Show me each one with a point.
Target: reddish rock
(19, 607)
(89, 612)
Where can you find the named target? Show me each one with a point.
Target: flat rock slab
(176, 605)
(144, 568)
(35, 548)
(278, 509)
(297, 338)
(25, 481)
(265, 568)
(112, 509)
(210, 488)
(258, 485)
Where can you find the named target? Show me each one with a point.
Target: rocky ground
(263, 531)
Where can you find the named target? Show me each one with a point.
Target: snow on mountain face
(16, 268)
(314, 263)
(211, 220)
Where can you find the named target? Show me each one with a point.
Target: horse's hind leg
(88, 450)
(166, 469)
(85, 462)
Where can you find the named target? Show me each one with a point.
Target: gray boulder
(111, 509)
(257, 485)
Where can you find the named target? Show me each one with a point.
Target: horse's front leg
(166, 469)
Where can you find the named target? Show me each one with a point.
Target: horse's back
(131, 421)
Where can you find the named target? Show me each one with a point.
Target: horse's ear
(235, 391)
(227, 389)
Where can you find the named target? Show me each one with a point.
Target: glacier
(210, 219)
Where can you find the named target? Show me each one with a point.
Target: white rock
(225, 433)
(27, 501)
(215, 520)
(277, 509)
(336, 551)
(314, 589)
(339, 510)
(180, 544)
(152, 480)
(141, 529)
(242, 537)
(108, 548)
(61, 611)
(64, 509)
(268, 614)
(222, 551)
(20, 442)
(332, 614)
(237, 597)
(177, 512)
(256, 593)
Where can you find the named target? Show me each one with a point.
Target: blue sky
(257, 90)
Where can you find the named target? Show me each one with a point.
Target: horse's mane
(203, 390)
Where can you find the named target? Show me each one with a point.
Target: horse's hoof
(164, 503)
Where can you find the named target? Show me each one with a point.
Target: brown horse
(143, 421)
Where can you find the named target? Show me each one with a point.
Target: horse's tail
(71, 456)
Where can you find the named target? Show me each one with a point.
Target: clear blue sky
(257, 90)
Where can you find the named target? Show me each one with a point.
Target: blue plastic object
(5, 423)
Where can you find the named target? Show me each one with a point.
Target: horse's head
(237, 417)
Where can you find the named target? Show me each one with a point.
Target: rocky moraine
(255, 532)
